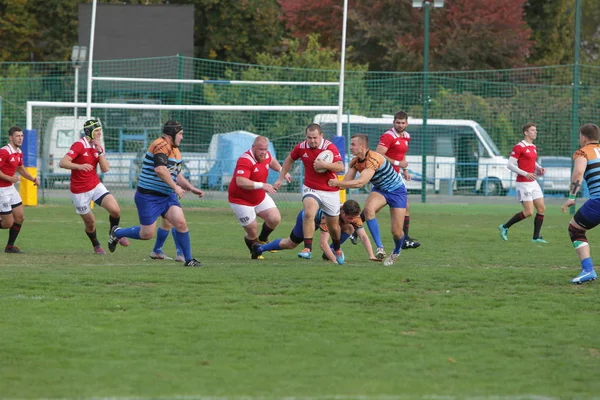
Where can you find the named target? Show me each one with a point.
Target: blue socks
(374, 229)
(177, 246)
(161, 237)
(587, 265)
(183, 238)
(274, 245)
(398, 244)
(133, 232)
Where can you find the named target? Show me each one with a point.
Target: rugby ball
(325, 155)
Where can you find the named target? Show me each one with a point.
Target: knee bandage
(577, 237)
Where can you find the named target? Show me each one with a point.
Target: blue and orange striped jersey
(385, 178)
(591, 152)
(149, 181)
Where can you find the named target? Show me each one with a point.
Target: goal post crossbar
(213, 81)
(176, 107)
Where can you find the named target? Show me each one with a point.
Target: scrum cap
(90, 126)
(171, 128)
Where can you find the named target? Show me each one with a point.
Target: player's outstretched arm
(23, 172)
(186, 185)
(275, 166)
(285, 168)
(363, 179)
(324, 243)
(366, 242)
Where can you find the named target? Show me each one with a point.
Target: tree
(388, 34)
(18, 31)
(553, 24)
(323, 17)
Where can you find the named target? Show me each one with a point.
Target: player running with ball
(388, 188)
(316, 193)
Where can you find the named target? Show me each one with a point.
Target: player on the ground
(249, 192)
(11, 206)
(316, 193)
(586, 164)
(349, 222)
(158, 192)
(162, 233)
(83, 158)
(523, 162)
(393, 145)
(388, 189)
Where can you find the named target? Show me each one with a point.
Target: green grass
(465, 315)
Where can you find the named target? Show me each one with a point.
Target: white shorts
(529, 191)
(329, 202)
(247, 214)
(81, 201)
(9, 199)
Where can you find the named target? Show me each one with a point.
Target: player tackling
(316, 193)
(388, 188)
(249, 192)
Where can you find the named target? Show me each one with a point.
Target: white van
(55, 140)
(460, 155)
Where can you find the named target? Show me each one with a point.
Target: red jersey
(397, 145)
(82, 152)
(526, 155)
(313, 179)
(249, 167)
(10, 160)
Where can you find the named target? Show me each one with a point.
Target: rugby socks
(177, 246)
(13, 233)
(249, 243)
(133, 232)
(113, 221)
(161, 238)
(93, 238)
(336, 244)
(518, 217)
(308, 243)
(537, 225)
(587, 265)
(398, 244)
(406, 225)
(343, 238)
(183, 238)
(264, 233)
(274, 245)
(374, 229)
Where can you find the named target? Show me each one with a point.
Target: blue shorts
(150, 206)
(588, 215)
(396, 198)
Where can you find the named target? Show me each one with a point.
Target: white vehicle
(55, 140)
(459, 154)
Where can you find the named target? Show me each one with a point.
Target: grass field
(464, 316)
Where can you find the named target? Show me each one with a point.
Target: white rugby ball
(325, 155)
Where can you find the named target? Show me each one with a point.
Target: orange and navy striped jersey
(385, 178)
(591, 152)
(149, 181)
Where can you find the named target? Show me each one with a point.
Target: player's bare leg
(540, 208)
(272, 219)
(18, 217)
(311, 206)
(90, 230)
(374, 203)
